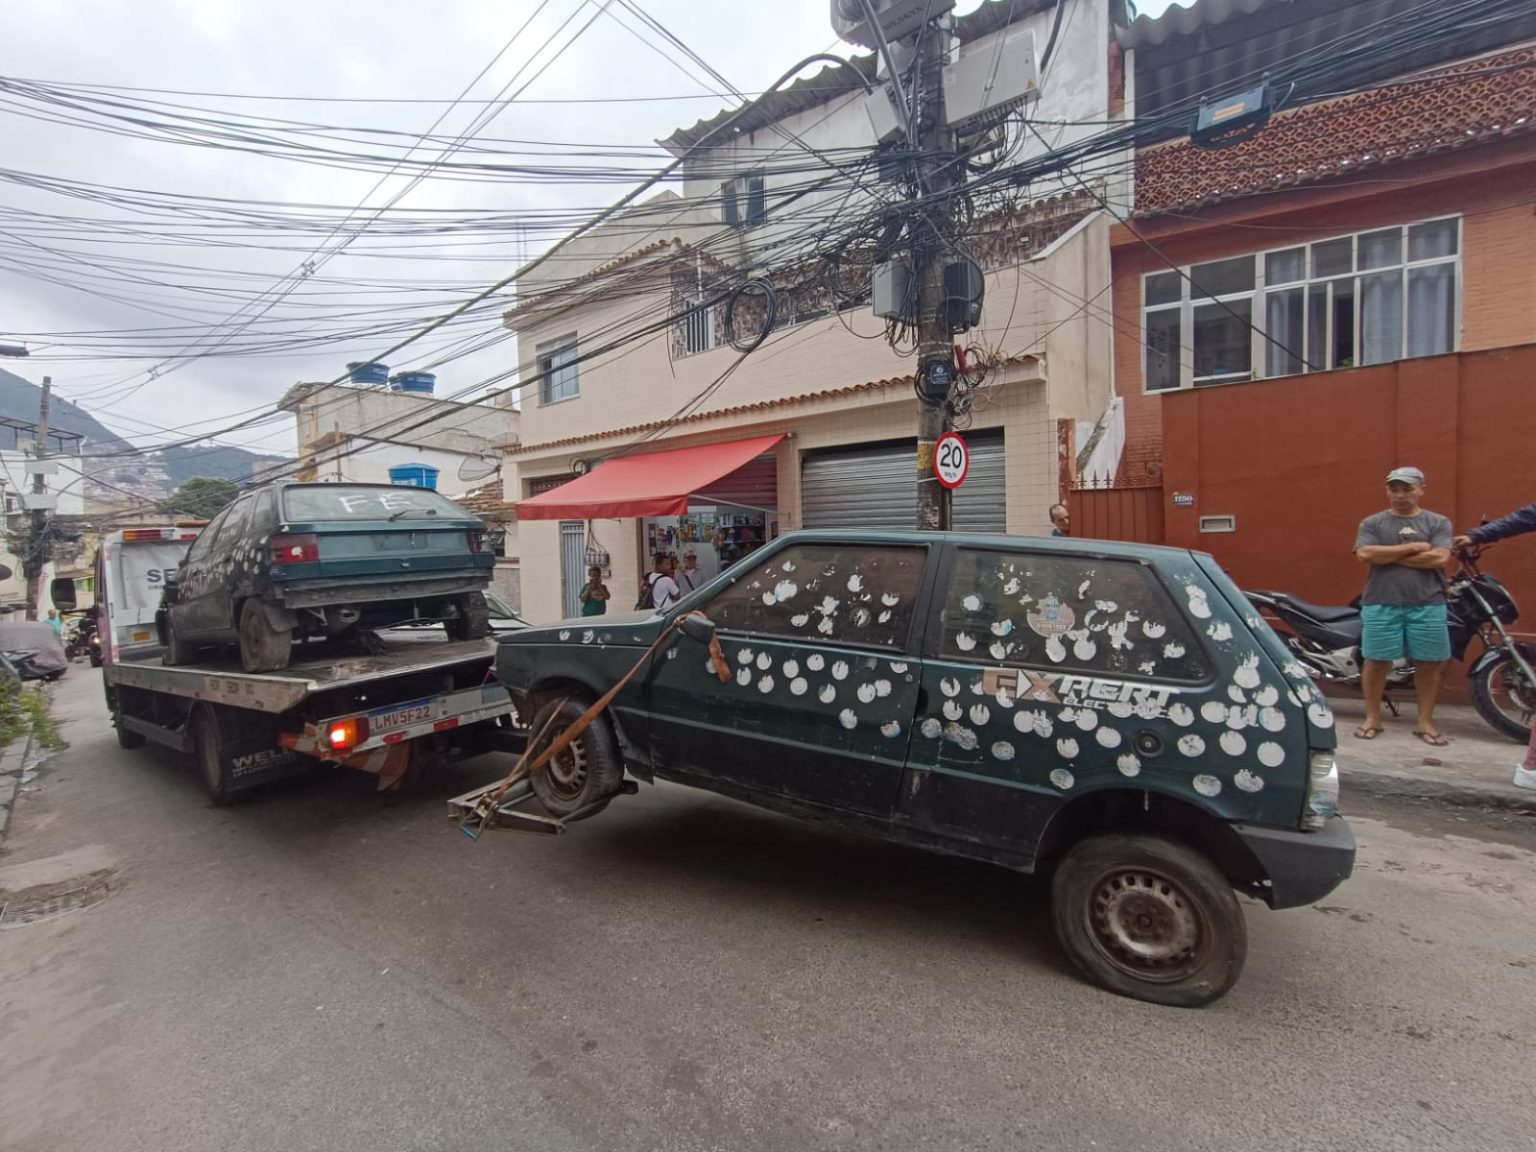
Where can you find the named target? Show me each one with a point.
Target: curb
(12, 764)
(1417, 788)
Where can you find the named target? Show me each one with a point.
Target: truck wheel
(125, 738)
(1150, 919)
(177, 650)
(588, 771)
(208, 738)
(473, 621)
(263, 648)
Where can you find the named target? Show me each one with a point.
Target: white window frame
(698, 324)
(546, 367)
(1259, 296)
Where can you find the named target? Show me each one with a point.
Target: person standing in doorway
(1061, 520)
(1403, 608)
(594, 594)
(690, 577)
(664, 591)
(1517, 523)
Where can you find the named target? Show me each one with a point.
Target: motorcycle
(85, 641)
(1502, 680)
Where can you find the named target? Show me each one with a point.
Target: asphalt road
(322, 967)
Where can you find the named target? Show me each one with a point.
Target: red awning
(652, 484)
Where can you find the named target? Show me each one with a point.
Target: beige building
(618, 358)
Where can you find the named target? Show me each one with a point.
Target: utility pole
(38, 545)
(930, 254)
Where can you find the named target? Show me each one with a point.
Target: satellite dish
(482, 468)
(5, 572)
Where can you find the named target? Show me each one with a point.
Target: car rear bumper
(326, 593)
(1301, 866)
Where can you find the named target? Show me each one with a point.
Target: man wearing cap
(690, 577)
(1403, 608)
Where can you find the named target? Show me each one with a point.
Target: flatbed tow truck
(411, 698)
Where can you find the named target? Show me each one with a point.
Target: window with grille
(559, 378)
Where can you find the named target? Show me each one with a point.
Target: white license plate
(400, 717)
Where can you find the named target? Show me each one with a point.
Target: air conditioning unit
(898, 19)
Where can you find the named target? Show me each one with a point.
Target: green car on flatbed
(1116, 715)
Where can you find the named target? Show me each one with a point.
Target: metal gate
(875, 486)
(573, 571)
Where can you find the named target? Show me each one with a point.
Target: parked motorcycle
(1502, 680)
(85, 641)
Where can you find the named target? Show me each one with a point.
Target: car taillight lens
(477, 541)
(344, 735)
(1322, 790)
(293, 549)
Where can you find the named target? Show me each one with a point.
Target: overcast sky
(56, 281)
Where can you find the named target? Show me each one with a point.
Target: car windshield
(365, 502)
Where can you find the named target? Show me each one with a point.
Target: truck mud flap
(249, 762)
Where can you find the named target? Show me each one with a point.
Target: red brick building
(1351, 288)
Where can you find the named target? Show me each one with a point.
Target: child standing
(594, 595)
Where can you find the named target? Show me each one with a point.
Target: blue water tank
(414, 476)
(368, 372)
(421, 383)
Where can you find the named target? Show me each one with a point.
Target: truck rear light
(476, 541)
(345, 735)
(147, 534)
(1322, 790)
(293, 549)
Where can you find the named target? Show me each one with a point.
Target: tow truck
(386, 703)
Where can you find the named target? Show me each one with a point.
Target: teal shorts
(1417, 631)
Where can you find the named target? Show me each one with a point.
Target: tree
(202, 497)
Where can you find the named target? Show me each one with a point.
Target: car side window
(1075, 613)
(235, 521)
(837, 593)
(204, 542)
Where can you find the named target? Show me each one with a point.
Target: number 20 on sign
(951, 460)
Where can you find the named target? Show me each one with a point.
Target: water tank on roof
(421, 383)
(368, 372)
(414, 476)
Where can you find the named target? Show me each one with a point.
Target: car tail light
(1322, 790)
(293, 549)
(345, 735)
(476, 540)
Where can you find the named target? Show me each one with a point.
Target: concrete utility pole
(37, 541)
(931, 249)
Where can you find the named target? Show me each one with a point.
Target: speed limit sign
(951, 460)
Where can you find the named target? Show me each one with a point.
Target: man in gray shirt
(1403, 608)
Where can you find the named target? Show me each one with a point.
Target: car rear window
(355, 502)
(1069, 612)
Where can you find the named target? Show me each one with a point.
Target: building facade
(824, 403)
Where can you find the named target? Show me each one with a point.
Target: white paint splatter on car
(1152, 630)
(1233, 743)
(1272, 719)
(1247, 781)
(865, 693)
(1087, 719)
(1002, 627)
(1147, 667)
(764, 662)
(963, 737)
(1320, 715)
(1266, 695)
(1108, 737)
(949, 686)
(1066, 748)
(765, 685)
(1271, 754)
(890, 599)
(1191, 745)
(898, 667)
(1004, 698)
(744, 676)
(848, 718)
(1182, 715)
(801, 619)
(1220, 630)
(1247, 674)
(799, 686)
(972, 603)
(785, 590)
(890, 729)
(980, 715)
(744, 656)
(827, 694)
(1129, 764)
(1207, 785)
(1198, 605)
(1084, 648)
(1121, 709)
(840, 670)
(1062, 779)
(565, 634)
(1213, 712)
(931, 728)
(965, 641)
(815, 661)
(882, 688)
(790, 668)
(952, 710)
(1002, 750)
(1173, 650)
(1055, 649)
(1082, 589)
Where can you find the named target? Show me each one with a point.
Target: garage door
(874, 486)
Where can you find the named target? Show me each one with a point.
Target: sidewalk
(1474, 769)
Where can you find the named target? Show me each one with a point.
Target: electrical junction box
(890, 289)
(964, 289)
(884, 116)
(1240, 111)
(898, 19)
(990, 80)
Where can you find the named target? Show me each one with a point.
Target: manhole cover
(47, 901)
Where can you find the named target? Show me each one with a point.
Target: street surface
(322, 967)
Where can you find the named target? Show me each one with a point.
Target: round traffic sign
(951, 460)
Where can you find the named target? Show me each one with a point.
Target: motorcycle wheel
(1503, 697)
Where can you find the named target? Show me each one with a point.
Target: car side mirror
(696, 626)
(63, 592)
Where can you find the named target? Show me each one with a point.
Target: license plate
(400, 717)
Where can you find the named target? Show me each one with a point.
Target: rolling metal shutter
(874, 486)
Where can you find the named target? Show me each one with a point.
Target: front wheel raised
(263, 648)
(1503, 696)
(588, 771)
(1148, 918)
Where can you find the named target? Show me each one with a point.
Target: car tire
(473, 621)
(1149, 918)
(208, 740)
(263, 648)
(177, 650)
(586, 773)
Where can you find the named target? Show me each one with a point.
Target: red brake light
(344, 735)
(476, 540)
(293, 549)
(146, 534)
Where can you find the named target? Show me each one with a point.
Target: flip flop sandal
(1433, 739)
(1368, 731)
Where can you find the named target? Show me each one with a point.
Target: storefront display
(718, 535)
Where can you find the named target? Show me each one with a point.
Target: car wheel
(587, 772)
(1150, 919)
(263, 648)
(177, 650)
(473, 621)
